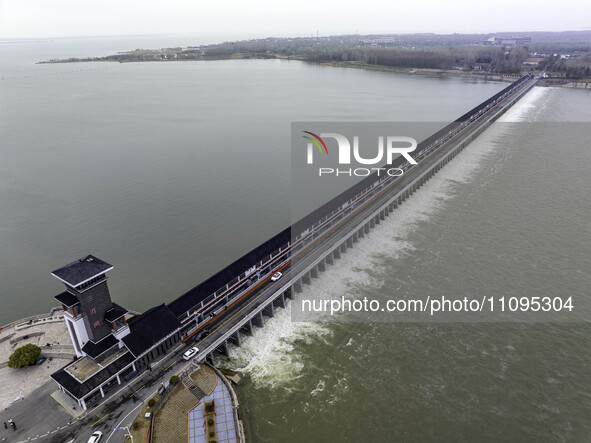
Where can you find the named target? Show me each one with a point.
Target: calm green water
(167, 171)
(170, 171)
(509, 216)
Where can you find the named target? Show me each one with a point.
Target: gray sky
(57, 18)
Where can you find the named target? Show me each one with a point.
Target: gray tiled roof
(115, 312)
(95, 349)
(149, 328)
(67, 298)
(82, 270)
(78, 389)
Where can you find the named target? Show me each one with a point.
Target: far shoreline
(124, 57)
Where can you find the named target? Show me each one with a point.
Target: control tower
(87, 303)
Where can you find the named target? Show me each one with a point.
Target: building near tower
(112, 345)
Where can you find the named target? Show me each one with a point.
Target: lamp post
(125, 428)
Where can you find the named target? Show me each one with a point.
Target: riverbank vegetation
(562, 54)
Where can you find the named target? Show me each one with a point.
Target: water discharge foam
(523, 110)
(272, 356)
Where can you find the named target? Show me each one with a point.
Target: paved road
(40, 419)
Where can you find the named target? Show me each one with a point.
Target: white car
(190, 353)
(95, 437)
(276, 276)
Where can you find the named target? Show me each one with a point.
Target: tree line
(491, 59)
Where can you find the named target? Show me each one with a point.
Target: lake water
(169, 171)
(510, 216)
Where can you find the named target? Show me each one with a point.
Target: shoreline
(421, 71)
(124, 57)
(120, 58)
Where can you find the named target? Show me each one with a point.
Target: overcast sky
(62, 18)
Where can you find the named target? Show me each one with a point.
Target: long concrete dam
(113, 348)
(224, 314)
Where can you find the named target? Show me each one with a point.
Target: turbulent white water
(270, 357)
(528, 107)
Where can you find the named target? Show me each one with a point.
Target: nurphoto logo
(394, 147)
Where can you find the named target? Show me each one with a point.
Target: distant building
(533, 61)
(111, 347)
(380, 41)
(506, 41)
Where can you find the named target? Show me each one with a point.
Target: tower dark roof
(149, 328)
(82, 270)
(67, 299)
(115, 312)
